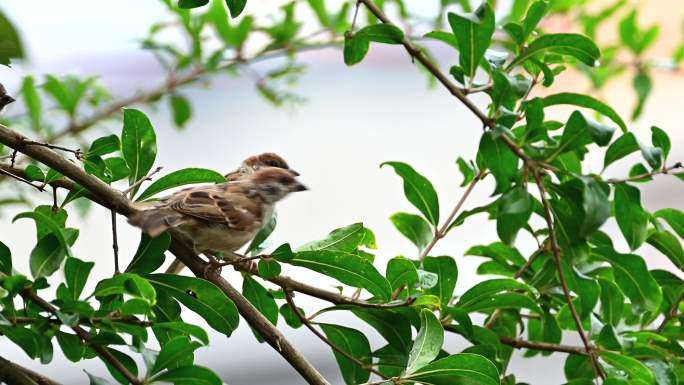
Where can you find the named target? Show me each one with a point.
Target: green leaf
(95, 380)
(181, 178)
(180, 109)
(571, 44)
(394, 327)
(669, 245)
(356, 344)
(349, 269)
(418, 191)
(48, 254)
(401, 272)
(5, 259)
(31, 100)
(580, 131)
(186, 4)
(633, 278)
(445, 37)
(467, 169)
(642, 86)
(447, 274)
(493, 154)
(473, 32)
(660, 139)
(175, 353)
(236, 7)
(355, 48)
(263, 234)
(674, 218)
(345, 239)
(515, 209)
(193, 330)
(47, 224)
(260, 298)
(127, 361)
(623, 146)
(138, 144)
(104, 145)
(196, 375)
(150, 253)
(126, 283)
(382, 33)
(428, 342)
(34, 173)
(290, 316)
(76, 275)
(457, 369)
(631, 366)
(534, 15)
(489, 288)
(631, 217)
(585, 101)
(71, 345)
(413, 227)
(202, 297)
(10, 44)
(268, 268)
(612, 302)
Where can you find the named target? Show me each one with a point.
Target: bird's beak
(293, 172)
(299, 187)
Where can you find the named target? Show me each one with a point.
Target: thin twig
(115, 244)
(141, 181)
(439, 234)
(20, 179)
(664, 170)
(77, 152)
(553, 243)
(322, 337)
(671, 314)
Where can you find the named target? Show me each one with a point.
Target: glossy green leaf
(585, 101)
(202, 297)
(493, 154)
(355, 48)
(127, 362)
(515, 209)
(660, 139)
(150, 253)
(669, 245)
(263, 234)
(5, 259)
(181, 178)
(447, 274)
(236, 7)
(473, 32)
(196, 375)
(633, 278)
(175, 353)
(268, 268)
(185, 4)
(612, 302)
(413, 227)
(10, 41)
(356, 344)
(138, 144)
(467, 169)
(104, 145)
(401, 272)
(534, 15)
(71, 345)
(445, 37)
(428, 342)
(345, 239)
(193, 330)
(48, 254)
(126, 283)
(395, 328)
(631, 217)
(76, 275)
(458, 369)
(674, 218)
(631, 366)
(290, 316)
(418, 190)
(47, 223)
(571, 44)
(486, 289)
(349, 269)
(260, 298)
(381, 33)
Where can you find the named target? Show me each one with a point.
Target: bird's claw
(212, 268)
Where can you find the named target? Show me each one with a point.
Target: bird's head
(258, 162)
(274, 184)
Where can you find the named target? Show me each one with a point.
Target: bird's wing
(219, 204)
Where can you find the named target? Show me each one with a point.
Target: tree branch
(671, 314)
(113, 199)
(12, 374)
(553, 243)
(664, 170)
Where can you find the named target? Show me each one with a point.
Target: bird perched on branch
(247, 168)
(221, 218)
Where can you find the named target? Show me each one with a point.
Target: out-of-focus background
(353, 119)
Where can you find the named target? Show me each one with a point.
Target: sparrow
(221, 218)
(6, 99)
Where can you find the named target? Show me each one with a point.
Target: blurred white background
(354, 119)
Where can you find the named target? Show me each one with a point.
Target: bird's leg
(214, 265)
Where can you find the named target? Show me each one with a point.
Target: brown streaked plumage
(220, 218)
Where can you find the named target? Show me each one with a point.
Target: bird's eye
(273, 163)
(285, 181)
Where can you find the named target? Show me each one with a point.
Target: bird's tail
(156, 221)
